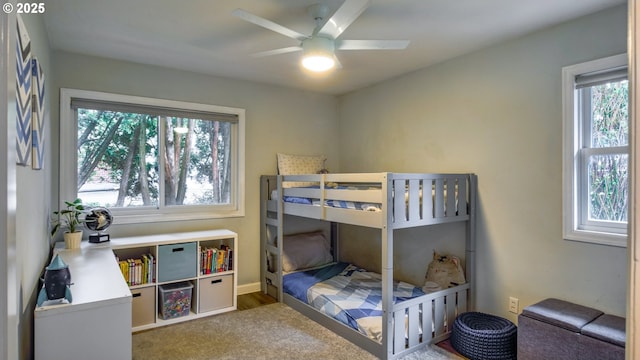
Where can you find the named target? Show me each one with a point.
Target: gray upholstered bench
(557, 329)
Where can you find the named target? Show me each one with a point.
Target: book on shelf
(213, 260)
(138, 271)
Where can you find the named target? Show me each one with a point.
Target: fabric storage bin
(215, 293)
(143, 306)
(603, 339)
(175, 299)
(560, 330)
(177, 261)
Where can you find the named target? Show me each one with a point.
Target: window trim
(69, 158)
(572, 129)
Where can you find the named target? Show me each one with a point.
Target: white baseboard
(248, 288)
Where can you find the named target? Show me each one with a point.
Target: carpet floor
(272, 331)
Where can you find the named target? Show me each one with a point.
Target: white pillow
(299, 165)
(302, 251)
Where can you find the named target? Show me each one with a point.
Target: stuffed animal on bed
(443, 272)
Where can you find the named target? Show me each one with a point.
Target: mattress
(348, 294)
(354, 205)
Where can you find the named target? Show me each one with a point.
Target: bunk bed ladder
(271, 254)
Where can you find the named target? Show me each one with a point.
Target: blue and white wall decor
(38, 116)
(23, 95)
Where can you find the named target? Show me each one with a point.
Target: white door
(8, 299)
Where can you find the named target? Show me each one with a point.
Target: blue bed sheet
(347, 293)
(297, 284)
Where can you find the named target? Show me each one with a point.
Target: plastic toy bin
(175, 299)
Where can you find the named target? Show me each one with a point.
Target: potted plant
(70, 219)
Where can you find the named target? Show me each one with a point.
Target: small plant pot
(72, 240)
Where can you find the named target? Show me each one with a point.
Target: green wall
(498, 113)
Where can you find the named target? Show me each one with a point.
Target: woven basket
(483, 336)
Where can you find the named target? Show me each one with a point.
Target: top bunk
(377, 200)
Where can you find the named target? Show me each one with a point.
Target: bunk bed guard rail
(394, 200)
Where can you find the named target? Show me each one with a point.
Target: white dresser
(97, 324)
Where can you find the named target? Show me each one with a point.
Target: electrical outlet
(513, 304)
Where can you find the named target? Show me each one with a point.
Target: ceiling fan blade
(338, 64)
(277, 51)
(343, 17)
(268, 24)
(371, 44)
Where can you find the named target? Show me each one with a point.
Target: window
(151, 160)
(596, 151)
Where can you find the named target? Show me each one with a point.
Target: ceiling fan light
(318, 63)
(318, 54)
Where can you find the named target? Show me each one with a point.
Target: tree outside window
(608, 163)
(119, 160)
(151, 160)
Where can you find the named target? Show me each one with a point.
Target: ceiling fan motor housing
(318, 45)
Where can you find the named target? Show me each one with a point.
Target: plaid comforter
(353, 296)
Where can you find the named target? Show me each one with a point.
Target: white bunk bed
(385, 201)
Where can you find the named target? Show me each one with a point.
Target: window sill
(594, 237)
(125, 219)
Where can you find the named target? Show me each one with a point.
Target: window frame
(575, 225)
(68, 159)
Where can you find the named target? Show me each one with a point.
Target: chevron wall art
(23, 95)
(38, 116)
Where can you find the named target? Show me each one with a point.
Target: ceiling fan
(319, 47)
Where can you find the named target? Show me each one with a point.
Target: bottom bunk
(348, 300)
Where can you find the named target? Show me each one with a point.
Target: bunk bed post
(264, 196)
(471, 242)
(280, 236)
(387, 269)
(335, 238)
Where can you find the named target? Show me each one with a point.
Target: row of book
(143, 270)
(214, 260)
(138, 271)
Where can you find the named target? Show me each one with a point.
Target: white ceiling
(203, 36)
